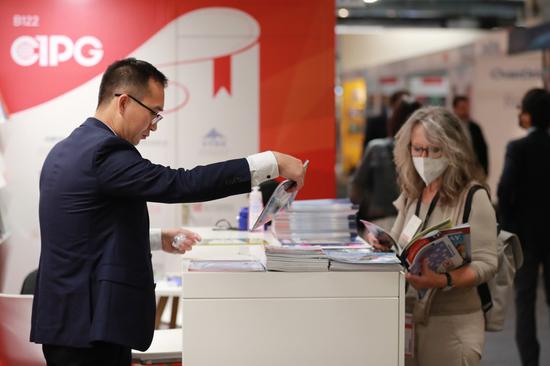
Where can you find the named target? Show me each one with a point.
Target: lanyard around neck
(430, 209)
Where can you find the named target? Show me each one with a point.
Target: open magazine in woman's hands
(445, 247)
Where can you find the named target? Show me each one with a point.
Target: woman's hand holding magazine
(378, 238)
(426, 278)
(376, 244)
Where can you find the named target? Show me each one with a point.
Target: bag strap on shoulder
(468, 203)
(482, 289)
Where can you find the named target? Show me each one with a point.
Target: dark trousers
(101, 353)
(525, 297)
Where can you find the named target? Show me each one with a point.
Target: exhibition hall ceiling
(485, 14)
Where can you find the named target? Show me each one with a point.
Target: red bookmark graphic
(222, 74)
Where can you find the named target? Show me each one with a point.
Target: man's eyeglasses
(431, 151)
(156, 116)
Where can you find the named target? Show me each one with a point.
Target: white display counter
(288, 318)
(276, 318)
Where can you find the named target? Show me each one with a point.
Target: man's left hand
(189, 239)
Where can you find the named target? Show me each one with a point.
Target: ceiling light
(343, 13)
(369, 1)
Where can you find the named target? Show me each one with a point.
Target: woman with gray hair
(436, 167)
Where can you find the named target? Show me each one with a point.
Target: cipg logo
(53, 49)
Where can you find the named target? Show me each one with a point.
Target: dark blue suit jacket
(524, 189)
(479, 145)
(95, 279)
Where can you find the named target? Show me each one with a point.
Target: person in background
(435, 167)
(524, 200)
(461, 107)
(95, 296)
(374, 185)
(377, 126)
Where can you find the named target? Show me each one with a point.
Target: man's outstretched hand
(291, 168)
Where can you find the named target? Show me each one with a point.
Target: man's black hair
(536, 102)
(460, 98)
(396, 96)
(405, 108)
(128, 76)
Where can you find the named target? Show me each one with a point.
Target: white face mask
(430, 169)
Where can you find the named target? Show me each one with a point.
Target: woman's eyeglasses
(431, 151)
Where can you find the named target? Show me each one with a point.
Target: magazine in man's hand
(280, 199)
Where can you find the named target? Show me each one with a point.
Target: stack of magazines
(318, 258)
(216, 265)
(317, 222)
(306, 229)
(295, 258)
(355, 259)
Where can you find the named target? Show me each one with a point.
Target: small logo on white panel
(213, 139)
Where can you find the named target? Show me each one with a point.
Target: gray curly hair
(443, 129)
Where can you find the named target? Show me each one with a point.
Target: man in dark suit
(461, 107)
(524, 201)
(95, 296)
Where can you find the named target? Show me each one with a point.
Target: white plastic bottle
(255, 207)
